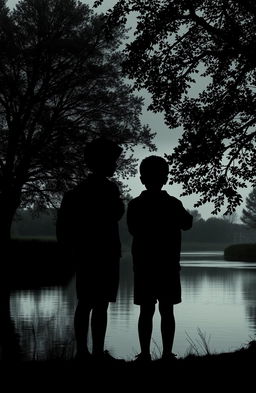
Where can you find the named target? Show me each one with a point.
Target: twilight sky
(165, 140)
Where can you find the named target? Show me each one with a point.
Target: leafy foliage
(60, 86)
(197, 59)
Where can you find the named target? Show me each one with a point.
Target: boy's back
(155, 220)
(89, 215)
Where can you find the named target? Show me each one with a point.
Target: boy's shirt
(88, 218)
(155, 221)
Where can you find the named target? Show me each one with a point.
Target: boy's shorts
(166, 288)
(98, 283)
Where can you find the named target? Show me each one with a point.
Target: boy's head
(154, 172)
(101, 156)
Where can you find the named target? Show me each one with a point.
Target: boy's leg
(99, 327)
(81, 324)
(167, 327)
(145, 325)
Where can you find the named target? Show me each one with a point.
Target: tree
(230, 218)
(60, 86)
(249, 213)
(197, 59)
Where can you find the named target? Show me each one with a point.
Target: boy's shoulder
(172, 199)
(74, 194)
(164, 196)
(91, 191)
(136, 200)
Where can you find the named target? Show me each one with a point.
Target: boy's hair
(154, 165)
(99, 149)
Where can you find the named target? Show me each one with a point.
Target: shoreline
(211, 371)
(246, 354)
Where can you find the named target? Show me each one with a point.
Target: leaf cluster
(249, 212)
(197, 59)
(61, 85)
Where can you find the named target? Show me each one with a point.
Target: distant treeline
(212, 230)
(219, 230)
(30, 224)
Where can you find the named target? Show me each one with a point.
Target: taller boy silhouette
(88, 224)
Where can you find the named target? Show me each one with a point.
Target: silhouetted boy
(155, 220)
(88, 223)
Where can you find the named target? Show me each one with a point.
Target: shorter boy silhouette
(155, 220)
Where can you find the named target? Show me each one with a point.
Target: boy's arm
(130, 218)
(116, 201)
(63, 222)
(120, 207)
(186, 219)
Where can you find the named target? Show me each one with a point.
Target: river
(218, 307)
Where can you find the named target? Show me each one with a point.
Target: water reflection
(218, 297)
(43, 320)
(249, 295)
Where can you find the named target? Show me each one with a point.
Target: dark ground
(220, 372)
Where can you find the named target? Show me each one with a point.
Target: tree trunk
(9, 344)
(9, 203)
(5, 227)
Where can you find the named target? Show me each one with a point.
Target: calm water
(218, 300)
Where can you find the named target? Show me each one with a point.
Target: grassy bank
(208, 372)
(241, 252)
